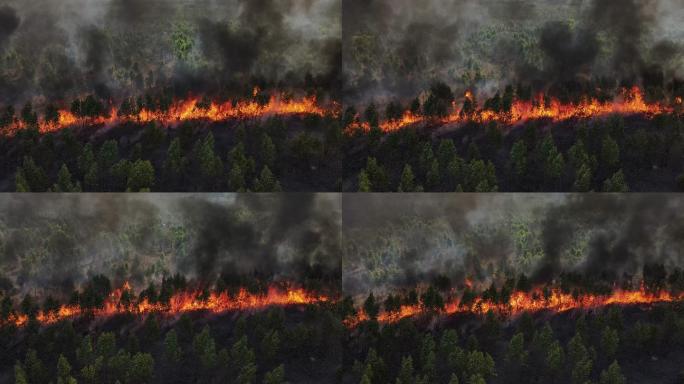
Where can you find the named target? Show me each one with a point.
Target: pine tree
(266, 182)
(172, 350)
(205, 349)
(64, 181)
(376, 175)
(140, 176)
(407, 183)
(516, 353)
(174, 160)
(364, 182)
(268, 151)
(31, 177)
(616, 183)
(210, 164)
(519, 157)
(64, 371)
(141, 368)
(371, 307)
(609, 342)
(275, 376)
(20, 182)
(610, 152)
(583, 179)
(270, 345)
(613, 375)
(236, 179)
(20, 376)
(405, 375)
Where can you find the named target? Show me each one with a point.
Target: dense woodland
(613, 344)
(610, 154)
(609, 345)
(295, 153)
(317, 343)
(275, 345)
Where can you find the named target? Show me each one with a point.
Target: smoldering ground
(396, 49)
(56, 242)
(120, 48)
(404, 241)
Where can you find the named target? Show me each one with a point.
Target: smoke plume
(59, 241)
(396, 49)
(403, 241)
(122, 48)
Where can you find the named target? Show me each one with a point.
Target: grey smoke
(406, 240)
(9, 22)
(119, 48)
(396, 49)
(59, 241)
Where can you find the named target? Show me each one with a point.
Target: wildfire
(182, 302)
(520, 302)
(190, 109)
(629, 102)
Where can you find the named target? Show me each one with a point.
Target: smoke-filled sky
(58, 49)
(397, 48)
(58, 241)
(393, 241)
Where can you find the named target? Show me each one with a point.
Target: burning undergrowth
(439, 107)
(163, 109)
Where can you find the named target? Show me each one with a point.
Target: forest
(172, 95)
(169, 288)
(607, 152)
(512, 96)
(509, 288)
(290, 152)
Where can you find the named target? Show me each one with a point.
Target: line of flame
(188, 110)
(534, 301)
(182, 302)
(630, 102)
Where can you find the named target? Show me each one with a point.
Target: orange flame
(630, 102)
(182, 302)
(188, 110)
(535, 301)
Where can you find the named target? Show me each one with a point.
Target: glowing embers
(519, 302)
(188, 110)
(121, 301)
(629, 102)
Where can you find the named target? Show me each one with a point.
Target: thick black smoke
(122, 48)
(397, 48)
(9, 22)
(628, 21)
(59, 241)
(627, 233)
(570, 53)
(289, 236)
(407, 240)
